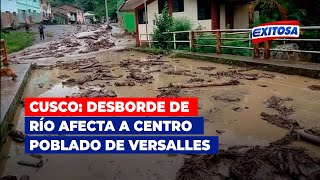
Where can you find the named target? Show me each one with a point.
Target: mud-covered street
(250, 110)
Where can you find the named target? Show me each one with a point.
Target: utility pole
(107, 14)
(146, 17)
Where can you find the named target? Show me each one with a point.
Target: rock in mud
(262, 85)
(238, 109)
(41, 85)
(280, 121)
(63, 76)
(220, 131)
(314, 87)
(239, 74)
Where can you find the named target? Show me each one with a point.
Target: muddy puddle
(233, 112)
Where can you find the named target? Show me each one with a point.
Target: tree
(163, 24)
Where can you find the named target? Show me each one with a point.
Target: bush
(205, 39)
(210, 39)
(237, 43)
(181, 24)
(163, 24)
(16, 41)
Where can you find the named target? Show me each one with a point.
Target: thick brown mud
(234, 112)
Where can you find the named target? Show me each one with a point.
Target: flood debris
(96, 93)
(10, 177)
(250, 162)
(91, 36)
(314, 87)
(179, 72)
(205, 68)
(105, 43)
(280, 120)
(204, 84)
(308, 136)
(139, 77)
(239, 74)
(276, 103)
(227, 98)
(220, 131)
(195, 80)
(34, 160)
(17, 136)
(75, 64)
(130, 83)
(169, 92)
(70, 43)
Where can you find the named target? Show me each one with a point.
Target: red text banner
(111, 107)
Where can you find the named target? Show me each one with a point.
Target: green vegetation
(16, 41)
(164, 23)
(308, 15)
(48, 34)
(96, 6)
(210, 39)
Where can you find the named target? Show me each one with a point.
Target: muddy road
(232, 112)
(243, 106)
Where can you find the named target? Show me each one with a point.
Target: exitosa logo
(275, 30)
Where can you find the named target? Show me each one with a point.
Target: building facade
(126, 19)
(75, 14)
(9, 12)
(45, 9)
(29, 11)
(204, 14)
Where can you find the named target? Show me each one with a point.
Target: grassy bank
(16, 40)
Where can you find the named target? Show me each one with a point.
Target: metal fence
(220, 35)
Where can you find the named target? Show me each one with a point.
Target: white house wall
(191, 12)
(241, 17)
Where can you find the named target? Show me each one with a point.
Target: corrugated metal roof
(130, 5)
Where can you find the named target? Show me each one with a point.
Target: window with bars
(161, 4)
(178, 5)
(141, 16)
(204, 9)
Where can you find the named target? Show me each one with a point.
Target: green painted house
(126, 19)
(29, 10)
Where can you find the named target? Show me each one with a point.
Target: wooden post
(174, 41)
(267, 49)
(137, 29)
(4, 54)
(218, 48)
(191, 40)
(256, 52)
